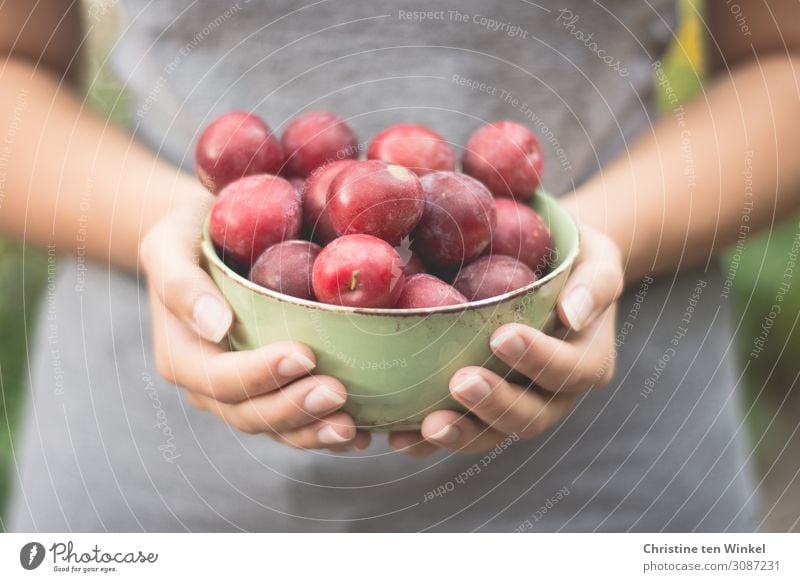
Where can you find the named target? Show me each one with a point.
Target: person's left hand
(580, 356)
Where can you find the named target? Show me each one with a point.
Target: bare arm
(684, 191)
(66, 169)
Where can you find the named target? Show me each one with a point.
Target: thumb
(596, 281)
(169, 256)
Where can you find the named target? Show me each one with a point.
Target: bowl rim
(210, 254)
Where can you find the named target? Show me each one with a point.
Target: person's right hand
(268, 390)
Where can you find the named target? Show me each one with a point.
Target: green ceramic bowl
(396, 363)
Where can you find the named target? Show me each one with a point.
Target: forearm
(724, 165)
(70, 179)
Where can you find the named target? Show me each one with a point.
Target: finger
(507, 407)
(334, 430)
(360, 443)
(298, 404)
(169, 256)
(230, 377)
(579, 362)
(595, 283)
(451, 430)
(411, 443)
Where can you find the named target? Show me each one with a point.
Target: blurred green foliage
(22, 277)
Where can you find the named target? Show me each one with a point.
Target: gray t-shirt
(108, 445)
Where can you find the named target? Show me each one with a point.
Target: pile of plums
(302, 215)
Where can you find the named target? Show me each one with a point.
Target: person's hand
(269, 390)
(579, 356)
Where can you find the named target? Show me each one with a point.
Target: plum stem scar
(354, 280)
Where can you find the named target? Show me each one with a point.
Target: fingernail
(578, 306)
(295, 364)
(322, 399)
(447, 435)
(211, 317)
(328, 436)
(473, 389)
(509, 344)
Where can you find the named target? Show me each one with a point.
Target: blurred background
(771, 403)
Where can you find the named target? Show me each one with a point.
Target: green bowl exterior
(396, 365)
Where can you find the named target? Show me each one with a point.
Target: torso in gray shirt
(108, 445)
